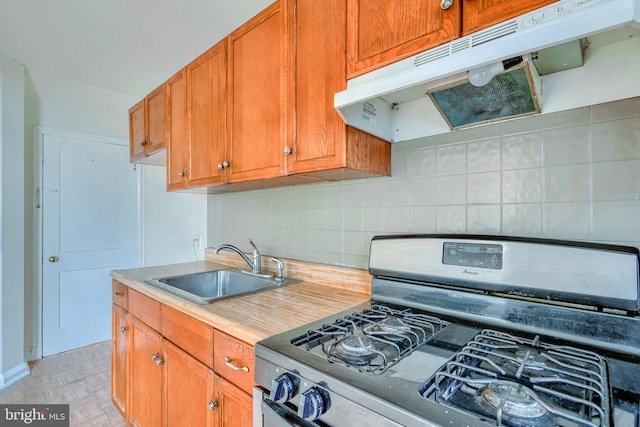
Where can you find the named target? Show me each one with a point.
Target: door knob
(53, 259)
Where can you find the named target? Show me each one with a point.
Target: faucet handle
(257, 263)
(255, 248)
(280, 266)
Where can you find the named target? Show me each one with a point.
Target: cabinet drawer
(145, 309)
(119, 295)
(233, 359)
(189, 334)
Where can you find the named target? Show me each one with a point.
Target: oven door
(268, 413)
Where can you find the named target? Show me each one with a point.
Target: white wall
(12, 228)
(58, 103)
(171, 221)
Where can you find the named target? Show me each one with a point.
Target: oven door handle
(277, 415)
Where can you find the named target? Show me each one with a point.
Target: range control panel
(478, 255)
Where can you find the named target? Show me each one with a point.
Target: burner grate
(510, 379)
(371, 340)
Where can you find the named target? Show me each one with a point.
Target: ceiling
(129, 46)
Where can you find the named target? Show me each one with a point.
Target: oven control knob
(283, 387)
(313, 403)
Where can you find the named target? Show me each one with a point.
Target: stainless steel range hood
(403, 100)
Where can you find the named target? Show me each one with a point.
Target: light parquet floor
(80, 377)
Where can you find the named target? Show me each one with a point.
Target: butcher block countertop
(323, 291)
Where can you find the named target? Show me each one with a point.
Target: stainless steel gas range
(468, 331)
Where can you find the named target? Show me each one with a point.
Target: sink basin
(209, 286)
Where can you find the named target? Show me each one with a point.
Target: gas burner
(355, 350)
(513, 399)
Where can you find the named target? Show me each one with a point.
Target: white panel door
(90, 226)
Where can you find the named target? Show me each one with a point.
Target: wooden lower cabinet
(157, 382)
(187, 384)
(145, 375)
(235, 406)
(119, 350)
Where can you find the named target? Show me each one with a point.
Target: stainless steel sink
(209, 286)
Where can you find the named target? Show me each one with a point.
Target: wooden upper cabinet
(137, 134)
(481, 14)
(146, 128)
(176, 130)
(319, 142)
(155, 121)
(207, 112)
(256, 97)
(380, 32)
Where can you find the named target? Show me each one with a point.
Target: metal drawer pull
(212, 405)
(118, 294)
(229, 363)
(123, 329)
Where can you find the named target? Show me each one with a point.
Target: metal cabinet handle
(212, 405)
(143, 143)
(157, 358)
(287, 150)
(123, 329)
(53, 259)
(118, 294)
(445, 4)
(230, 364)
(181, 173)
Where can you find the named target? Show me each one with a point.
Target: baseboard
(14, 374)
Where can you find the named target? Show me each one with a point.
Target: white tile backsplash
(616, 180)
(483, 219)
(451, 159)
(566, 146)
(569, 175)
(484, 155)
(567, 183)
(522, 151)
(483, 188)
(451, 189)
(522, 186)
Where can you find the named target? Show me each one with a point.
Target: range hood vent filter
(508, 95)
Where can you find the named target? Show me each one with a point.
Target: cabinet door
(480, 14)
(316, 39)
(380, 32)
(137, 133)
(206, 106)
(154, 121)
(176, 130)
(235, 406)
(145, 375)
(189, 390)
(120, 346)
(256, 97)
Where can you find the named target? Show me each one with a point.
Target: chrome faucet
(255, 264)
